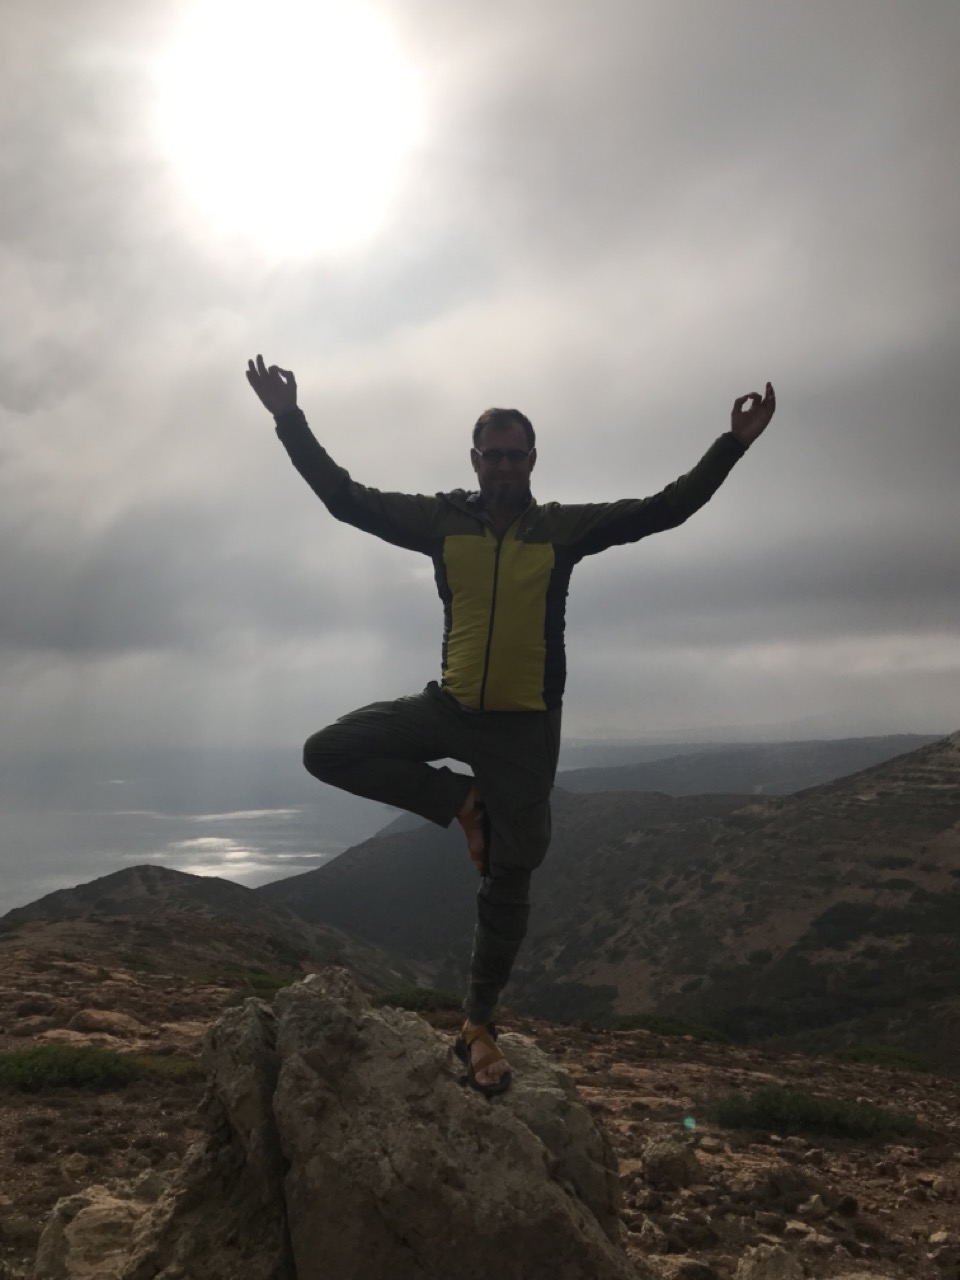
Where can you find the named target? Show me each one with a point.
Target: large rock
(343, 1146)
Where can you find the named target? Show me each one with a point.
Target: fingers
(742, 400)
(256, 370)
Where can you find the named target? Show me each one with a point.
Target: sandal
(487, 1035)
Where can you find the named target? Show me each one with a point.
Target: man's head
(503, 455)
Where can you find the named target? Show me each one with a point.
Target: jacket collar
(472, 502)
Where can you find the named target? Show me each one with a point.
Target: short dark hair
(501, 420)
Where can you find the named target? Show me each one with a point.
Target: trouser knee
(324, 753)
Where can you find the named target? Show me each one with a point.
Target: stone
(106, 1021)
(712, 1146)
(74, 1165)
(342, 1145)
(768, 1262)
(788, 1186)
(412, 1169)
(670, 1164)
(652, 1239)
(35, 1025)
(813, 1209)
(87, 1237)
(817, 1242)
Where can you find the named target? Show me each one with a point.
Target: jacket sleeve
(406, 520)
(593, 527)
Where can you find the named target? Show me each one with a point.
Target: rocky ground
(697, 1197)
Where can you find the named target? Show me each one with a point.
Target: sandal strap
(485, 1032)
(487, 1060)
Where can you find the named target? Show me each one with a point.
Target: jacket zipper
(493, 613)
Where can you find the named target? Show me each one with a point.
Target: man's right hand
(276, 387)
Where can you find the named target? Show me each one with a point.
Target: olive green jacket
(504, 598)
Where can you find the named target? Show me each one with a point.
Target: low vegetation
(263, 983)
(87, 1067)
(792, 1112)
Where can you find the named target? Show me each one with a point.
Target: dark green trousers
(383, 752)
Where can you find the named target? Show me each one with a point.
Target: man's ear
(533, 458)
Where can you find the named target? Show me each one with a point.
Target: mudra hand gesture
(276, 387)
(748, 421)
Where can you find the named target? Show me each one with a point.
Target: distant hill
(772, 768)
(178, 921)
(810, 918)
(756, 768)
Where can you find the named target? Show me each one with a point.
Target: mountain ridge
(764, 916)
(155, 914)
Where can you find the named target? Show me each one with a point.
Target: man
(502, 564)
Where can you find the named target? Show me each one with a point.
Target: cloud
(621, 218)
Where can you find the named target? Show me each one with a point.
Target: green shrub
(266, 985)
(663, 1025)
(72, 1067)
(64, 1067)
(884, 1055)
(420, 999)
(790, 1111)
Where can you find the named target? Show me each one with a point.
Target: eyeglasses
(496, 456)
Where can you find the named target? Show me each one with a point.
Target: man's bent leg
(380, 752)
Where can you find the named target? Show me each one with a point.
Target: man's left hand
(748, 420)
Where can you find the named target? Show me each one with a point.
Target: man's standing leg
(514, 760)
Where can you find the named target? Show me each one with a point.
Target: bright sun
(289, 124)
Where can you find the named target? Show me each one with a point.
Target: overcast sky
(616, 215)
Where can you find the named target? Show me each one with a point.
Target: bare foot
(494, 1071)
(471, 818)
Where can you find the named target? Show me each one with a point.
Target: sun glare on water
(288, 125)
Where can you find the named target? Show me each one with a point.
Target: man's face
(503, 464)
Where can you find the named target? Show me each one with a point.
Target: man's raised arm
(593, 527)
(406, 520)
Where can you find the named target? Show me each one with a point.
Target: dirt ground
(840, 1207)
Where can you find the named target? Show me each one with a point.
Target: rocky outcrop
(342, 1145)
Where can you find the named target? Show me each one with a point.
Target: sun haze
(290, 133)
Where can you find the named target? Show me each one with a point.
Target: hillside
(812, 918)
(145, 916)
(769, 768)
